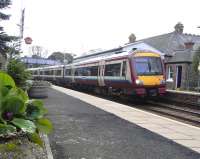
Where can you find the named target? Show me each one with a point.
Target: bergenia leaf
(35, 109)
(7, 129)
(6, 80)
(13, 104)
(44, 125)
(25, 125)
(34, 137)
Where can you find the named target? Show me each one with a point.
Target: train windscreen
(148, 66)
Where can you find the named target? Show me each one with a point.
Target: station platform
(86, 126)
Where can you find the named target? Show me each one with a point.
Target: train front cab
(148, 74)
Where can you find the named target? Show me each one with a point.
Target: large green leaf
(44, 125)
(13, 104)
(5, 90)
(35, 109)
(6, 80)
(24, 125)
(36, 139)
(22, 94)
(19, 93)
(7, 129)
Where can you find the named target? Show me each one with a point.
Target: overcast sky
(80, 25)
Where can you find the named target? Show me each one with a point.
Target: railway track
(183, 114)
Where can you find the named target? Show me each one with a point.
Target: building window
(170, 73)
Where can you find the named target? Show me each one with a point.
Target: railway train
(138, 72)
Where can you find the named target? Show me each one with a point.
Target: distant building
(38, 62)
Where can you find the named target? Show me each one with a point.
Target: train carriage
(139, 72)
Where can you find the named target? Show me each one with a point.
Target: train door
(101, 73)
(178, 76)
(72, 73)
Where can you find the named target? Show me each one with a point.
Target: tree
(17, 70)
(196, 60)
(14, 49)
(37, 51)
(62, 57)
(4, 38)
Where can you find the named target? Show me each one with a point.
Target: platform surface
(89, 127)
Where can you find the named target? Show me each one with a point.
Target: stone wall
(191, 98)
(187, 79)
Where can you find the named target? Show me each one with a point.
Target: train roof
(121, 54)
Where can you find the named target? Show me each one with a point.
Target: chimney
(179, 28)
(189, 45)
(132, 38)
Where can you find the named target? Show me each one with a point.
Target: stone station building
(179, 49)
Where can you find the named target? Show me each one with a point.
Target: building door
(178, 76)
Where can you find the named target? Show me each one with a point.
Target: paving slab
(82, 130)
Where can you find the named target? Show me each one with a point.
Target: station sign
(28, 40)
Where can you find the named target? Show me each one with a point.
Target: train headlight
(139, 82)
(162, 82)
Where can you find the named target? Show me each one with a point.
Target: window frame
(170, 74)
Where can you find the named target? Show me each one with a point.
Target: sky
(77, 26)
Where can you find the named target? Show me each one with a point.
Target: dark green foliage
(19, 114)
(36, 138)
(18, 72)
(196, 60)
(3, 5)
(4, 38)
(62, 57)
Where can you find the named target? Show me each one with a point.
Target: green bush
(20, 115)
(16, 69)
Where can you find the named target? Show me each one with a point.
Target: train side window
(94, 70)
(51, 72)
(124, 68)
(84, 71)
(35, 73)
(58, 72)
(76, 72)
(113, 69)
(67, 72)
(46, 72)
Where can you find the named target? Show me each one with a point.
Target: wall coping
(184, 92)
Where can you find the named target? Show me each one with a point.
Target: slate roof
(172, 42)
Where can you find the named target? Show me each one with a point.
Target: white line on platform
(47, 146)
